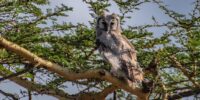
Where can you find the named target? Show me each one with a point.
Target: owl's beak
(108, 29)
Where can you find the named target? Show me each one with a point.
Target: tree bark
(70, 76)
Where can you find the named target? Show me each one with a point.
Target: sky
(81, 14)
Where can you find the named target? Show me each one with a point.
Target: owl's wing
(130, 49)
(129, 62)
(127, 41)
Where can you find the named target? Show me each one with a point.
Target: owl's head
(108, 23)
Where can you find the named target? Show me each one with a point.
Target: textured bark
(71, 76)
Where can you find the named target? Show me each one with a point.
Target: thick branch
(107, 91)
(97, 96)
(67, 75)
(58, 93)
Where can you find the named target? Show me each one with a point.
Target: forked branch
(71, 76)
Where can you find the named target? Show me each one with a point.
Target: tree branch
(27, 69)
(67, 75)
(178, 65)
(184, 94)
(107, 91)
(13, 96)
(36, 87)
(97, 96)
(58, 93)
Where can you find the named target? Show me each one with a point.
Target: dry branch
(13, 96)
(36, 87)
(70, 76)
(178, 65)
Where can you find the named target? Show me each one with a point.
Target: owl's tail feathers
(135, 75)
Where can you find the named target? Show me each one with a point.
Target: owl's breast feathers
(117, 50)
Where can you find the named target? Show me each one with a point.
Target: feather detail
(119, 52)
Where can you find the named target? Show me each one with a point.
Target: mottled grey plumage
(116, 49)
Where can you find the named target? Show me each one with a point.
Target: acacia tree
(33, 44)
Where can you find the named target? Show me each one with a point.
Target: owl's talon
(102, 73)
(147, 85)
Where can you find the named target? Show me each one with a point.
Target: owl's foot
(147, 85)
(119, 76)
(113, 73)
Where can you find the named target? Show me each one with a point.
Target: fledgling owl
(116, 49)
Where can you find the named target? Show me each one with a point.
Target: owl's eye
(103, 22)
(112, 23)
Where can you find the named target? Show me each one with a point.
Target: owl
(116, 49)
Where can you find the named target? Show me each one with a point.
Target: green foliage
(25, 23)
